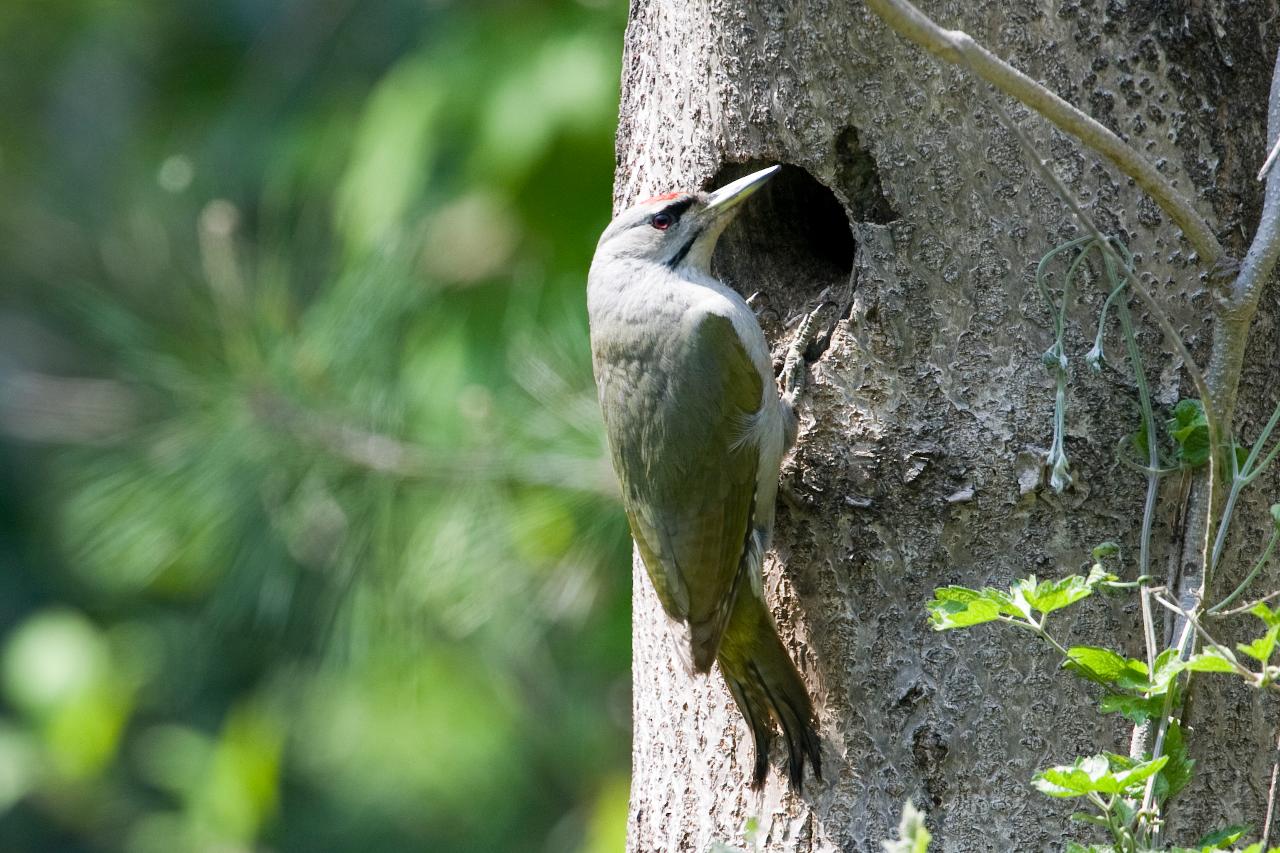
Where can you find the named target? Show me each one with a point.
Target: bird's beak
(729, 196)
(710, 221)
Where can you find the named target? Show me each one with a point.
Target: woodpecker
(697, 431)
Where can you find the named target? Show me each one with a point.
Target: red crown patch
(663, 197)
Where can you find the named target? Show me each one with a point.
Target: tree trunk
(908, 203)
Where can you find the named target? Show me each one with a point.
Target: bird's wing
(688, 476)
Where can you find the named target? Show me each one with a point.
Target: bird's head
(678, 229)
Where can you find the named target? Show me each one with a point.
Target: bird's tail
(765, 684)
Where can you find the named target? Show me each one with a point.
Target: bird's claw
(794, 368)
(792, 497)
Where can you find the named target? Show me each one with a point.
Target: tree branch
(1238, 302)
(959, 48)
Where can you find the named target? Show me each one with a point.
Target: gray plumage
(697, 433)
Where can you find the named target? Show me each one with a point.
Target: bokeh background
(308, 539)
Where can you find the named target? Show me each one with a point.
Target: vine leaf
(1190, 430)
(1100, 774)
(1261, 648)
(1136, 709)
(1108, 668)
(1209, 660)
(1269, 617)
(1049, 596)
(961, 607)
(1224, 838)
(1177, 773)
(913, 836)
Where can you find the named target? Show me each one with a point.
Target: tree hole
(790, 241)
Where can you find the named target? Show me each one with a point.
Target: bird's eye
(662, 221)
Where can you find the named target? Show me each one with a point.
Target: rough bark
(919, 463)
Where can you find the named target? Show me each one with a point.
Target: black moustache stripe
(684, 250)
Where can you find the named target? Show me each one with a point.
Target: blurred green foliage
(308, 540)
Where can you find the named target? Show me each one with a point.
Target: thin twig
(1252, 468)
(1148, 627)
(1162, 729)
(959, 48)
(1228, 511)
(1271, 160)
(1257, 569)
(1226, 653)
(1148, 423)
(1271, 792)
(1158, 312)
(1245, 608)
(1153, 475)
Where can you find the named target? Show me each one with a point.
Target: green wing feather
(688, 481)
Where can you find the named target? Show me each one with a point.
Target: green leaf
(1140, 772)
(1190, 431)
(1177, 772)
(1242, 456)
(1085, 817)
(1136, 709)
(1275, 515)
(1210, 660)
(1188, 413)
(1116, 761)
(1138, 439)
(1074, 780)
(961, 607)
(1049, 596)
(1098, 774)
(1223, 839)
(1261, 648)
(1106, 667)
(1105, 549)
(1020, 595)
(913, 835)
(1266, 614)
(1168, 666)
(1165, 659)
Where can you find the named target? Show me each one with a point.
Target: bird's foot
(793, 497)
(794, 367)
